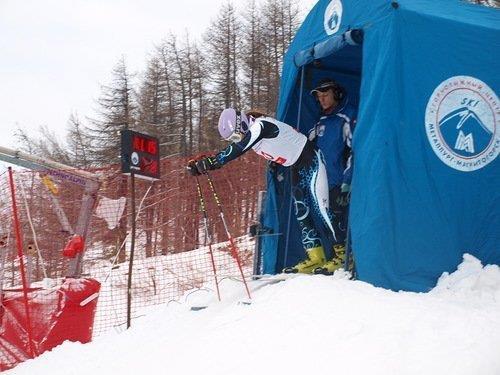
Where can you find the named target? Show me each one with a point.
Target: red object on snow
(57, 315)
(74, 246)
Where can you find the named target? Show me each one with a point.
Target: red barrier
(171, 256)
(57, 315)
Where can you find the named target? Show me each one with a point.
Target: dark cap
(325, 84)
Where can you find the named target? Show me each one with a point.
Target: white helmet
(233, 124)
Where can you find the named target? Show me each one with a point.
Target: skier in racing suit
(282, 144)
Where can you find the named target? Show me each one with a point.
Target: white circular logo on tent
(462, 121)
(333, 17)
(134, 158)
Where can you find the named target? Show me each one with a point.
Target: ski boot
(337, 262)
(315, 258)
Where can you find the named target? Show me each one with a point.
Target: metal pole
(19, 156)
(88, 200)
(257, 256)
(234, 250)
(20, 255)
(4, 241)
(349, 254)
(299, 113)
(132, 248)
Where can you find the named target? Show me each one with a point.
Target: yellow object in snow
(49, 184)
(315, 258)
(336, 263)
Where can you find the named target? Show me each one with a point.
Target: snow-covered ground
(306, 324)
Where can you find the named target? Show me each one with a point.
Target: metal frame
(89, 181)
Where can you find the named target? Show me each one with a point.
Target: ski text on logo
(462, 121)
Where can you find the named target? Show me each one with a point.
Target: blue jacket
(333, 136)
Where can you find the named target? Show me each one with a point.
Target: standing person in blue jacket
(282, 144)
(333, 135)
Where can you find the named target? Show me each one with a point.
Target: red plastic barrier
(74, 246)
(57, 315)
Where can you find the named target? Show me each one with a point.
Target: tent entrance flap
(340, 58)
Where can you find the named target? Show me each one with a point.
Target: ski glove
(207, 164)
(191, 167)
(312, 133)
(344, 196)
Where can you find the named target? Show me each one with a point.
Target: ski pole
(230, 238)
(349, 255)
(208, 234)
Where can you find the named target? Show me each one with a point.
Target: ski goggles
(237, 134)
(235, 137)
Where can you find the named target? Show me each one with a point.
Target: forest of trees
(184, 86)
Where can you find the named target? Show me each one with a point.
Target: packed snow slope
(308, 325)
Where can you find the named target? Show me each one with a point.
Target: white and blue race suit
(333, 136)
(284, 145)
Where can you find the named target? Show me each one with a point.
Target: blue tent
(426, 184)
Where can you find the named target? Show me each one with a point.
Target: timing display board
(140, 155)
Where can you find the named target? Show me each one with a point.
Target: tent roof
(455, 10)
(312, 41)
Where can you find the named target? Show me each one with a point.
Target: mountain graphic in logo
(464, 132)
(333, 17)
(333, 21)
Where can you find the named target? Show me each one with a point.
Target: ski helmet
(233, 124)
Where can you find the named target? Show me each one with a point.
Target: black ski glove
(191, 167)
(344, 196)
(343, 199)
(207, 164)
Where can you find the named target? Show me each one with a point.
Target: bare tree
(115, 113)
(152, 99)
(253, 60)
(25, 142)
(116, 109)
(174, 107)
(281, 20)
(46, 144)
(78, 142)
(488, 3)
(199, 74)
(223, 57)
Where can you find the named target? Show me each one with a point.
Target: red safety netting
(171, 255)
(56, 315)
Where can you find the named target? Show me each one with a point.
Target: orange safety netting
(171, 255)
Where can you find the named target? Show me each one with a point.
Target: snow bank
(471, 280)
(307, 324)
